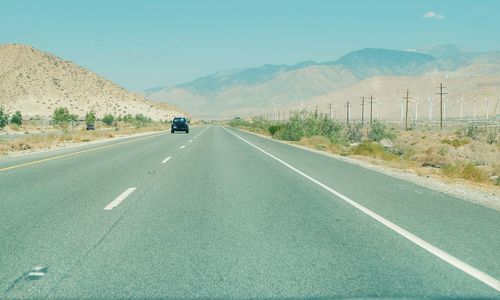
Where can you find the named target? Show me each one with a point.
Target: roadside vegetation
(470, 153)
(18, 134)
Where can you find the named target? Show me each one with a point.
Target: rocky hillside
(36, 82)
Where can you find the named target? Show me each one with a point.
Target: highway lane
(222, 219)
(49, 208)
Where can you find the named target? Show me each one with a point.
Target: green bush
(379, 132)
(293, 130)
(108, 119)
(128, 118)
(73, 118)
(61, 115)
(274, 128)
(90, 118)
(17, 118)
(4, 118)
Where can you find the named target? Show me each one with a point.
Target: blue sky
(143, 44)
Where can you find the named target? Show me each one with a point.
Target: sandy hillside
(36, 82)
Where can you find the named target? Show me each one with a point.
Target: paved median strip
(455, 262)
(119, 199)
(166, 159)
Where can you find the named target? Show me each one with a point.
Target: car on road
(180, 124)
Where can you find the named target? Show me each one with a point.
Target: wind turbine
(275, 109)
(474, 108)
(417, 102)
(444, 108)
(487, 112)
(376, 107)
(430, 108)
(461, 101)
(402, 109)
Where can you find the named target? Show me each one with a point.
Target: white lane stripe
(119, 199)
(183, 146)
(457, 263)
(166, 159)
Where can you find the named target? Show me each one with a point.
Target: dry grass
(59, 137)
(447, 155)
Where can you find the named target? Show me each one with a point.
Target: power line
(441, 93)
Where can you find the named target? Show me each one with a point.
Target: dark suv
(180, 124)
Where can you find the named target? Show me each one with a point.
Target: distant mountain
(36, 82)
(249, 91)
(370, 62)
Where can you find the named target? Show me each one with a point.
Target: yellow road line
(71, 154)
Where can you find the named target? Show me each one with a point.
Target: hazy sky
(143, 44)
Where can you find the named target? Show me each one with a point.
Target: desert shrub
(108, 119)
(379, 131)
(455, 142)
(90, 118)
(465, 171)
(17, 118)
(473, 131)
(61, 115)
(142, 118)
(73, 118)
(371, 149)
(128, 118)
(354, 134)
(4, 118)
(491, 138)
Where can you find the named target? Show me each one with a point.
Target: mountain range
(384, 72)
(37, 82)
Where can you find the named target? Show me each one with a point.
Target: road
(220, 213)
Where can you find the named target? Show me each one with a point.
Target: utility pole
(407, 98)
(362, 110)
(371, 110)
(348, 107)
(441, 87)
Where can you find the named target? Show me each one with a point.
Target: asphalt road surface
(220, 213)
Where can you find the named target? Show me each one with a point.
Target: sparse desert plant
(108, 119)
(17, 118)
(4, 118)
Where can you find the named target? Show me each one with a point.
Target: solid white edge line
(166, 159)
(457, 263)
(119, 199)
